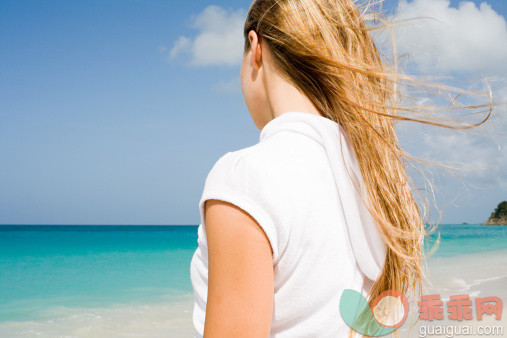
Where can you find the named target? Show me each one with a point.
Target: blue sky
(113, 112)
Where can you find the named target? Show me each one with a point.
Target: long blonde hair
(325, 49)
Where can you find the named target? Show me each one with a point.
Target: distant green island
(499, 216)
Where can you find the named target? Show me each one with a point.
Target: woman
(322, 203)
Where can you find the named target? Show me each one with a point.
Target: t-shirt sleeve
(238, 180)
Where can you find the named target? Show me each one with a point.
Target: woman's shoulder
(248, 179)
(242, 164)
(280, 155)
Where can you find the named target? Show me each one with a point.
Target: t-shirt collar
(273, 125)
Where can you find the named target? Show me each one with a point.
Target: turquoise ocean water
(462, 239)
(91, 266)
(95, 266)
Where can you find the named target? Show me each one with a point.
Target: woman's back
(287, 184)
(335, 201)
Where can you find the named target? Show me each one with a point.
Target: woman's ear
(255, 50)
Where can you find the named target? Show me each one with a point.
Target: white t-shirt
(294, 184)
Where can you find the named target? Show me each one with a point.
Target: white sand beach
(154, 320)
(478, 275)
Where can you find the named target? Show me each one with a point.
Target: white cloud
(482, 159)
(465, 42)
(230, 86)
(219, 40)
(464, 39)
(162, 49)
(480, 153)
(181, 45)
